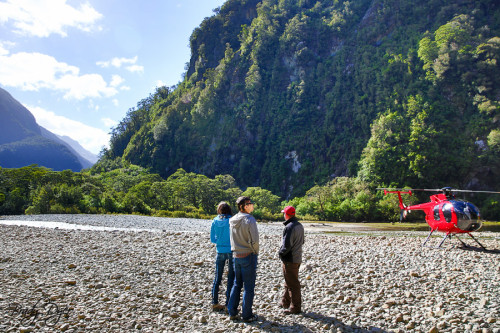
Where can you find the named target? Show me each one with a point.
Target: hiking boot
(218, 307)
(290, 312)
(234, 318)
(252, 318)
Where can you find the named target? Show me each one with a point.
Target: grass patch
(491, 226)
(389, 226)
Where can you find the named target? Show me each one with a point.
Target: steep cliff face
(286, 94)
(209, 41)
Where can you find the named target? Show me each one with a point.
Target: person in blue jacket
(219, 234)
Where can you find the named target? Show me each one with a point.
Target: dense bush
(35, 190)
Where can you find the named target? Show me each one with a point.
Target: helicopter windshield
(467, 215)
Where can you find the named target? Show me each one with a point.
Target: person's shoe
(234, 318)
(252, 318)
(218, 307)
(290, 312)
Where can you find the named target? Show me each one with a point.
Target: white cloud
(135, 69)
(108, 122)
(4, 45)
(33, 71)
(119, 62)
(160, 83)
(91, 138)
(81, 87)
(41, 18)
(116, 80)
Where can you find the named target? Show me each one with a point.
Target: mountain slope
(400, 91)
(16, 122)
(58, 139)
(23, 142)
(77, 147)
(38, 150)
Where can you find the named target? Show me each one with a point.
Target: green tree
(384, 158)
(263, 198)
(267, 205)
(43, 199)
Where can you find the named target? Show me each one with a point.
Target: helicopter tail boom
(399, 192)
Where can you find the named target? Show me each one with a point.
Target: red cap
(289, 210)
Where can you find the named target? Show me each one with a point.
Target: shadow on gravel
(332, 321)
(479, 249)
(273, 326)
(270, 326)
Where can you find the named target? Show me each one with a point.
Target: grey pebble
(155, 275)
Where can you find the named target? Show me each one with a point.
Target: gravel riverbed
(159, 280)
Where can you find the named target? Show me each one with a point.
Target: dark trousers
(291, 297)
(245, 270)
(220, 262)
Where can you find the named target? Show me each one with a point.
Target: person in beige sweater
(244, 237)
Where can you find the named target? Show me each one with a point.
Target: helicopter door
(447, 212)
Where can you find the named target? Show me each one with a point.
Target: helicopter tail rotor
(403, 213)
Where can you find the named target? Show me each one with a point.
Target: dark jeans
(245, 270)
(292, 297)
(220, 262)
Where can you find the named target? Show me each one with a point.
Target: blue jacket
(219, 233)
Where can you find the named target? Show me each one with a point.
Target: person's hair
(224, 209)
(241, 202)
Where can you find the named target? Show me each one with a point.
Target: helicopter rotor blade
(435, 190)
(471, 191)
(409, 189)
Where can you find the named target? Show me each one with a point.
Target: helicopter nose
(469, 225)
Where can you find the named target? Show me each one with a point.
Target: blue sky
(78, 66)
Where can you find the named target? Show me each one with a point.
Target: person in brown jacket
(291, 255)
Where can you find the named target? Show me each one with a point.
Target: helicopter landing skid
(474, 238)
(450, 235)
(429, 236)
(434, 247)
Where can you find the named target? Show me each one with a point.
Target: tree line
(131, 189)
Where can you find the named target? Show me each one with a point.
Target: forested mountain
(23, 142)
(286, 94)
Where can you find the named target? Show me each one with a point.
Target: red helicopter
(444, 213)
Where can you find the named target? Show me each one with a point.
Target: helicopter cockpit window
(436, 213)
(467, 215)
(465, 210)
(447, 212)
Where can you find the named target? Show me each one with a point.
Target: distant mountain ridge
(23, 142)
(75, 145)
(71, 144)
